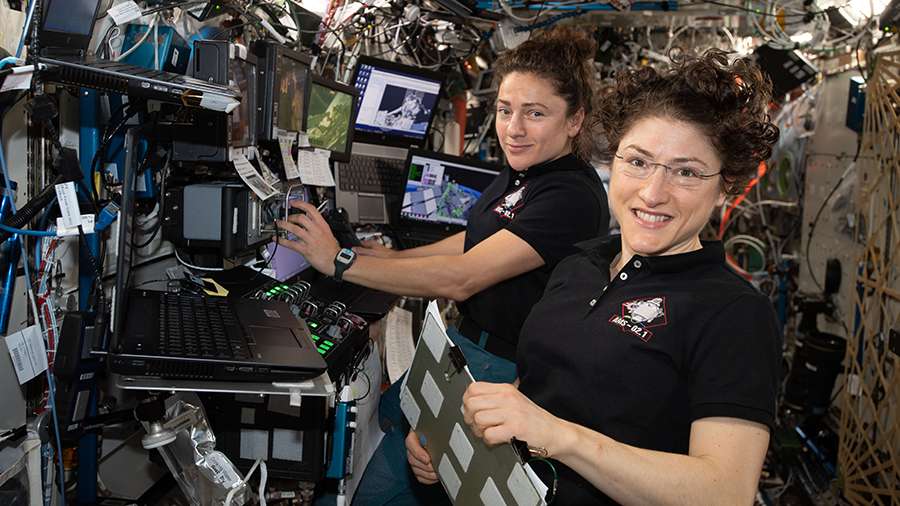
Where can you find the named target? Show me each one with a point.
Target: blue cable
(8, 59)
(25, 28)
(40, 233)
(62, 488)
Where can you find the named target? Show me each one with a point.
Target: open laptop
(237, 339)
(64, 36)
(440, 192)
(397, 105)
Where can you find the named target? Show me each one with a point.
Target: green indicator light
(314, 325)
(322, 351)
(329, 343)
(315, 337)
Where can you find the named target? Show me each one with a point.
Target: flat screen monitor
(282, 89)
(244, 117)
(397, 102)
(330, 116)
(441, 189)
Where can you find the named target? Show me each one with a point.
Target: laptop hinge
(61, 51)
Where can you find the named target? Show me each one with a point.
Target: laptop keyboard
(195, 326)
(373, 174)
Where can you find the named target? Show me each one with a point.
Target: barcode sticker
(29, 355)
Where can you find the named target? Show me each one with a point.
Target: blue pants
(388, 479)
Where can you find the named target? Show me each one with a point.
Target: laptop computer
(231, 339)
(397, 105)
(65, 34)
(440, 191)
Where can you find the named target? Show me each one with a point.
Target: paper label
(222, 469)
(520, 486)
(87, 224)
(490, 494)
(409, 407)
(248, 173)
(432, 394)
(461, 447)
(448, 476)
(285, 141)
(68, 204)
(124, 12)
(314, 168)
(28, 353)
(218, 103)
(17, 82)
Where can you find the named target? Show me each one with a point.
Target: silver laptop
(397, 105)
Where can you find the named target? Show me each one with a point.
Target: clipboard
(470, 471)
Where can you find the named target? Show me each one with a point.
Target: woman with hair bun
(547, 199)
(648, 372)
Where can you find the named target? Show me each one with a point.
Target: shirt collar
(604, 250)
(563, 163)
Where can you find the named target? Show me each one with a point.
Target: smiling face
(532, 125)
(657, 218)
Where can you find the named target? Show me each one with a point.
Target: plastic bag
(205, 475)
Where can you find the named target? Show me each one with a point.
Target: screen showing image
(438, 191)
(291, 94)
(393, 102)
(242, 127)
(328, 122)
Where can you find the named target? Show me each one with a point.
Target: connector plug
(107, 216)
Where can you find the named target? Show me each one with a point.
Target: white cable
(156, 46)
(190, 266)
(138, 43)
(237, 487)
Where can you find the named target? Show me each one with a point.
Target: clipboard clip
(457, 362)
(525, 452)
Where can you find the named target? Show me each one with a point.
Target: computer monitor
(244, 117)
(282, 89)
(397, 102)
(69, 27)
(330, 116)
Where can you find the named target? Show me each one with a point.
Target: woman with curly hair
(648, 372)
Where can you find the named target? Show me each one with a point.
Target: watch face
(346, 255)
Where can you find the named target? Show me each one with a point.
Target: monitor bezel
(341, 87)
(252, 93)
(393, 139)
(271, 55)
(57, 39)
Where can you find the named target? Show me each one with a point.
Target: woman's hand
(375, 249)
(419, 460)
(497, 412)
(315, 241)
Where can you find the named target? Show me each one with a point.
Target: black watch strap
(342, 261)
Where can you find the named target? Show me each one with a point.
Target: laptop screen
(396, 102)
(68, 23)
(441, 189)
(126, 236)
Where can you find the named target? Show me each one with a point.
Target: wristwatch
(342, 262)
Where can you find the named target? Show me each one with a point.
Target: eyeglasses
(689, 178)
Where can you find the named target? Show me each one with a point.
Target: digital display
(329, 119)
(291, 95)
(395, 103)
(439, 191)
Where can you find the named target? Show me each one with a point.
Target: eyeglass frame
(666, 169)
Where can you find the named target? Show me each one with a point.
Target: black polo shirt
(669, 340)
(552, 207)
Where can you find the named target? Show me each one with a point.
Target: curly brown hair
(563, 58)
(725, 100)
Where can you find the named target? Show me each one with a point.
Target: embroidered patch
(638, 315)
(510, 204)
